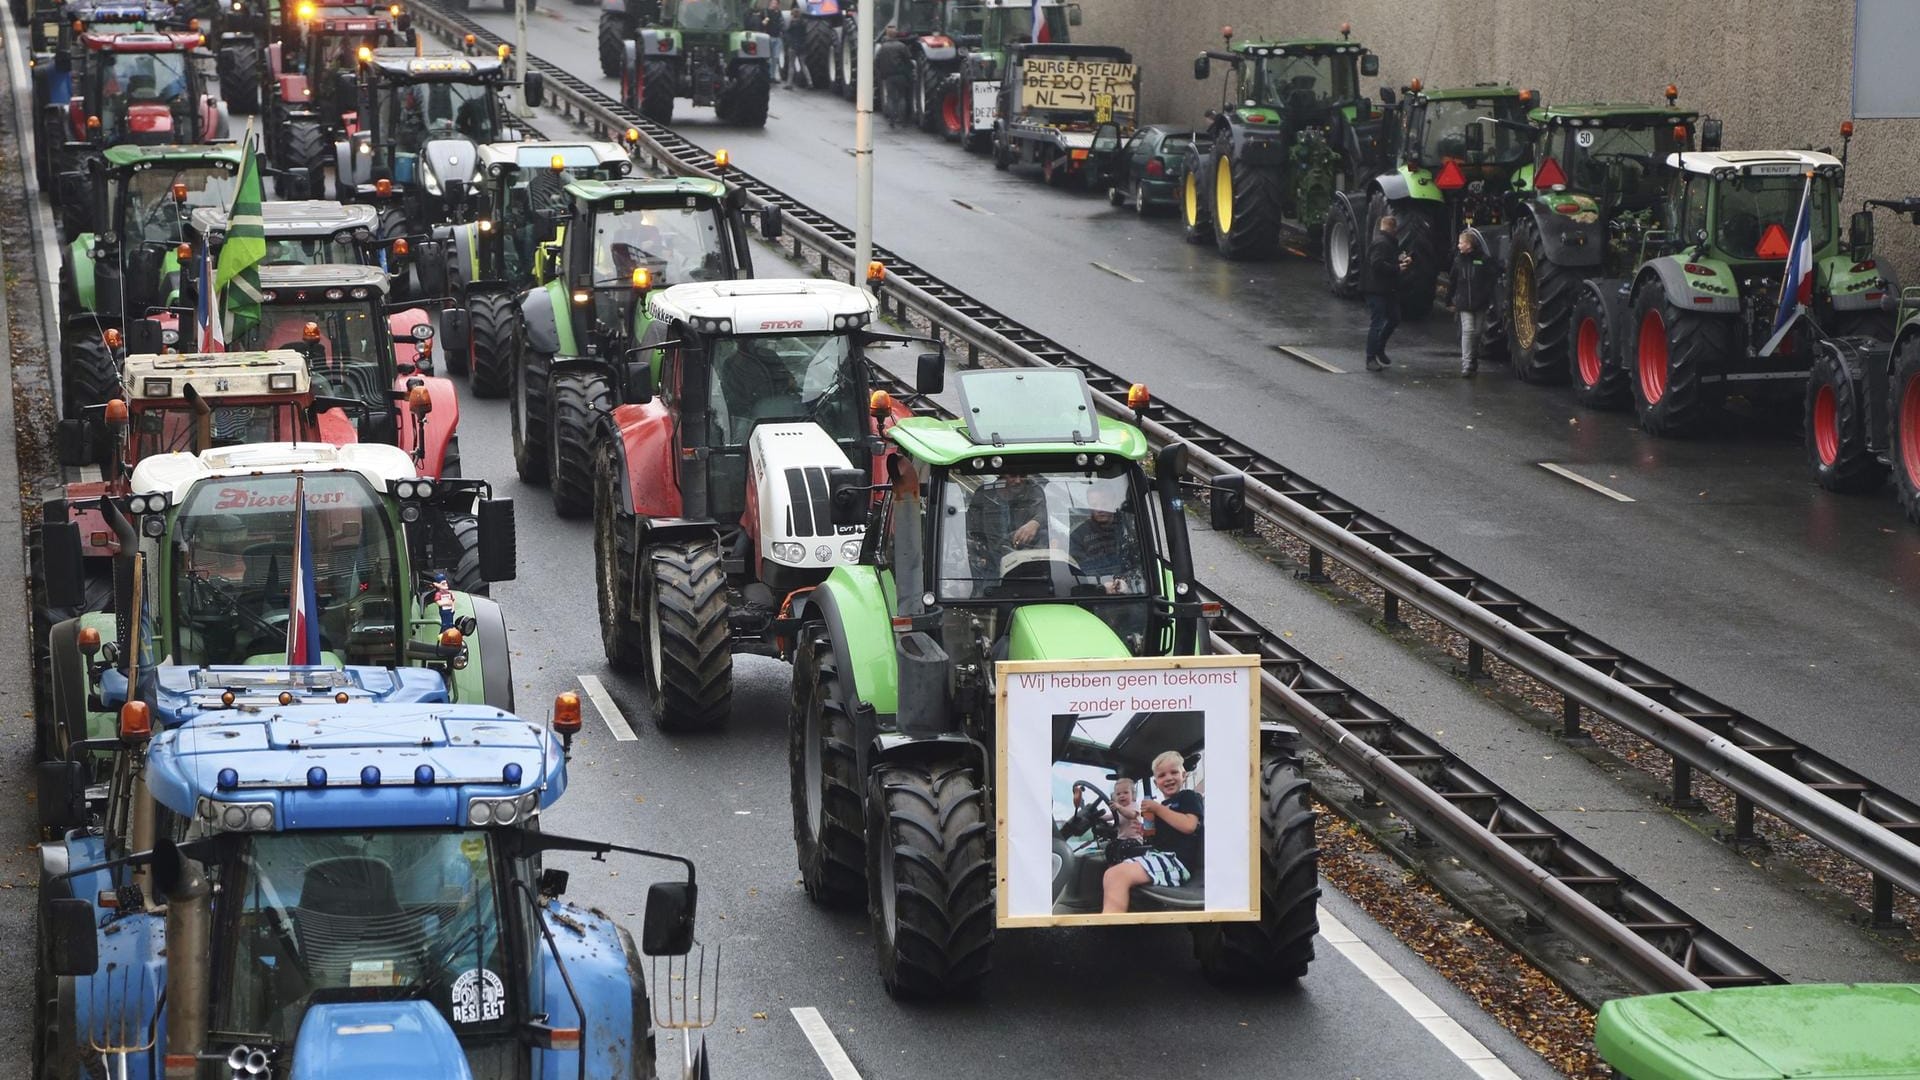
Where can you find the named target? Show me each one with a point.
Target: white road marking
(1591, 485)
(976, 209)
(603, 702)
(839, 1066)
(28, 127)
(1117, 273)
(1295, 352)
(1458, 1041)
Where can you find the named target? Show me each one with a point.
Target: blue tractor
(304, 871)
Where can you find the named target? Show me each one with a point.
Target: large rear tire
(955, 118)
(817, 53)
(1345, 250)
(926, 95)
(238, 69)
(307, 147)
(689, 666)
(746, 105)
(1278, 948)
(613, 34)
(657, 89)
(929, 879)
(1596, 367)
(1246, 206)
(1196, 209)
(613, 557)
(1906, 426)
(1539, 308)
(824, 773)
(528, 416)
(1835, 427)
(1671, 350)
(580, 402)
(456, 550)
(89, 375)
(493, 337)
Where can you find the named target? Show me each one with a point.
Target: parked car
(1149, 169)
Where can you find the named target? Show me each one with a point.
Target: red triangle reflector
(1549, 176)
(1773, 243)
(1450, 178)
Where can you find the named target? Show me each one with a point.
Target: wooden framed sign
(1127, 791)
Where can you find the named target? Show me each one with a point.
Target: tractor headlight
(484, 811)
(789, 552)
(430, 181)
(236, 816)
(850, 550)
(169, 337)
(282, 383)
(154, 503)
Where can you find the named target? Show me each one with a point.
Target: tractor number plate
(1102, 108)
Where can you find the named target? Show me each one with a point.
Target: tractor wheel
(844, 79)
(689, 666)
(1671, 349)
(620, 633)
(456, 550)
(1246, 206)
(391, 222)
(926, 95)
(1346, 250)
(1906, 426)
(657, 89)
(238, 69)
(817, 54)
(580, 403)
(450, 460)
(89, 375)
(1874, 324)
(1278, 948)
(1835, 423)
(528, 416)
(752, 93)
(1597, 369)
(1539, 308)
(929, 878)
(824, 771)
(1002, 149)
(493, 335)
(613, 44)
(307, 146)
(66, 717)
(1494, 339)
(954, 116)
(1196, 209)
(1419, 237)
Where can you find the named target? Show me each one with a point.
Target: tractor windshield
(916, 16)
(150, 214)
(678, 244)
(170, 428)
(1754, 216)
(1443, 132)
(233, 569)
(1002, 26)
(708, 14)
(1303, 84)
(340, 340)
(1045, 533)
(312, 250)
(1620, 165)
(417, 112)
(812, 377)
(365, 916)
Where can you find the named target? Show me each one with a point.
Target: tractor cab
(1741, 206)
(302, 233)
(148, 195)
(1293, 84)
(1466, 140)
(313, 104)
(527, 189)
(1613, 156)
(54, 36)
(142, 88)
(997, 25)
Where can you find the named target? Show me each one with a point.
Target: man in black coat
(1385, 263)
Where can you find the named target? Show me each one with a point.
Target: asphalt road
(1729, 568)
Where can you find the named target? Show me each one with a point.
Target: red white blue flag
(207, 315)
(303, 622)
(1796, 284)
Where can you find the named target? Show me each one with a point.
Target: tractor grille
(1760, 299)
(811, 512)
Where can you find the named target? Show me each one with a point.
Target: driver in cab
(1003, 517)
(753, 382)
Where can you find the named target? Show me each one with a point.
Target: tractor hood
(1061, 632)
(377, 1038)
(150, 123)
(790, 501)
(452, 161)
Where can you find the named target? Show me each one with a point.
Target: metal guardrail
(1760, 765)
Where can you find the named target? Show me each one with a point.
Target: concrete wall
(1779, 72)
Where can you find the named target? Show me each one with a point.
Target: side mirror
(1202, 67)
(499, 547)
(430, 268)
(1370, 65)
(668, 928)
(346, 88)
(456, 331)
(534, 90)
(1859, 234)
(63, 563)
(771, 222)
(930, 377)
(146, 336)
(553, 882)
(73, 937)
(75, 446)
(637, 385)
(847, 490)
(380, 426)
(1073, 15)
(1227, 509)
(1387, 96)
(61, 792)
(1711, 132)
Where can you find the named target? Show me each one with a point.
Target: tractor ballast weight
(699, 49)
(1272, 166)
(979, 550)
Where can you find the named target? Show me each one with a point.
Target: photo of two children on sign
(1138, 825)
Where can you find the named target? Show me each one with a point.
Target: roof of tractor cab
(1617, 114)
(647, 188)
(350, 22)
(127, 155)
(1755, 162)
(946, 442)
(185, 692)
(176, 474)
(1142, 737)
(300, 217)
(539, 155)
(119, 11)
(404, 65)
(1467, 93)
(294, 284)
(1298, 47)
(1019, 411)
(215, 375)
(327, 765)
(1808, 1031)
(143, 41)
(767, 305)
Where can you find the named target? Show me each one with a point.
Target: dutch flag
(207, 314)
(1796, 284)
(1040, 31)
(303, 623)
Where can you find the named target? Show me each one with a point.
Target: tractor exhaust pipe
(202, 419)
(124, 583)
(1169, 468)
(182, 882)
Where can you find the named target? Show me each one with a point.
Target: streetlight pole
(863, 142)
(520, 56)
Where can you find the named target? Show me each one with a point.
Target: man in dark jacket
(1470, 295)
(1385, 263)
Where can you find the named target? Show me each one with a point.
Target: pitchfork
(687, 999)
(112, 1031)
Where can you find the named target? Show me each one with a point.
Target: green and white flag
(238, 279)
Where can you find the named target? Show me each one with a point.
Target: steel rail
(1763, 767)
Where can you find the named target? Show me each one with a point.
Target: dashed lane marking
(1122, 274)
(1295, 352)
(814, 1027)
(603, 703)
(1591, 485)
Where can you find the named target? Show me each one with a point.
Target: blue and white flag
(1796, 284)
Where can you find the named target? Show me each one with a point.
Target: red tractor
(307, 111)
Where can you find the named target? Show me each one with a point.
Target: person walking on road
(1385, 263)
(1469, 294)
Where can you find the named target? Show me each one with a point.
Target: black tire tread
(1346, 286)
(818, 53)
(620, 634)
(931, 820)
(307, 146)
(1279, 947)
(1856, 468)
(89, 375)
(833, 865)
(612, 38)
(1611, 391)
(1546, 363)
(689, 585)
(1693, 342)
(751, 96)
(1255, 230)
(1906, 369)
(493, 336)
(579, 401)
(657, 90)
(530, 435)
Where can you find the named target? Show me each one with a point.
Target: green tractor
(1696, 321)
(490, 261)
(621, 238)
(1288, 134)
(1595, 194)
(976, 554)
(1808, 1031)
(961, 106)
(145, 197)
(1449, 160)
(698, 49)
